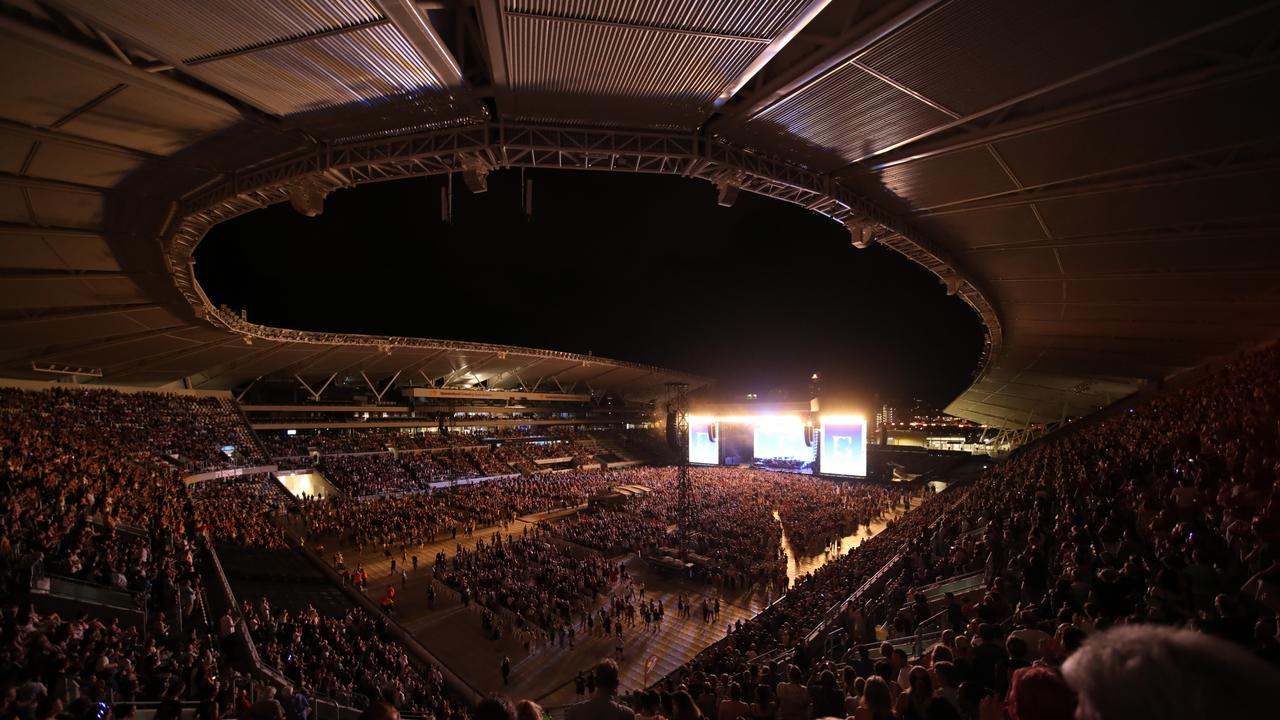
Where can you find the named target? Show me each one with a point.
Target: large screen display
(780, 444)
(704, 441)
(844, 446)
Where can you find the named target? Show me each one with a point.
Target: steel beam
(152, 360)
(283, 42)
(413, 25)
(1052, 191)
(100, 344)
(830, 58)
(668, 29)
(237, 364)
(1072, 79)
(775, 46)
(77, 314)
(1158, 91)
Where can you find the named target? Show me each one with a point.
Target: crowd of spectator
(372, 474)
(414, 519)
(86, 501)
(418, 518)
(736, 514)
(240, 510)
(79, 504)
(352, 659)
(542, 449)
(1089, 545)
(51, 666)
(508, 498)
(85, 498)
(411, 471)
(542, 583)
(188, 430)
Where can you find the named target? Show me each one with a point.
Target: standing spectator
(793, 697)
(601, 705)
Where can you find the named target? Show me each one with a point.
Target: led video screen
(704, 441)
(844, 446)
(781, 445)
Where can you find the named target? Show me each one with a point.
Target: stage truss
(478, 149)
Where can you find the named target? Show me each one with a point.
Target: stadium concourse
(1095, 180)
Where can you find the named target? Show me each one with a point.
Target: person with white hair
(1146, 671)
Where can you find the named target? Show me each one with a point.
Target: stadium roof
(1097, 180)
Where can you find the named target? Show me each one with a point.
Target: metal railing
(242, 626)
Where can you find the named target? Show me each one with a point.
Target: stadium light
(475, 174)
(307, 196)
(728, 194)
(476, 179)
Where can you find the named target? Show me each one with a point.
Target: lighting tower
(678, 412)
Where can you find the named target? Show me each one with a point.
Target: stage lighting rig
(728, 194)
(307, 196)
(861, 233)
(475, 174)
(728, 183)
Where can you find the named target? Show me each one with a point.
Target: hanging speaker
(672, 440)
(808, 436)
(711, 431)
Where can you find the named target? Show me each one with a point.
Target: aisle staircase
(260, 450)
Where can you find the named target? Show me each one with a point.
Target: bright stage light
(758, 420)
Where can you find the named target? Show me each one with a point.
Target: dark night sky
(635, 267)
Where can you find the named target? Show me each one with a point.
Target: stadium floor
(454, 635)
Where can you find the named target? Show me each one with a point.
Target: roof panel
(839, 117)
(152, 119)
(114, 353)
(65, 291)
(763, 19)
(79, 164)
(1170, 253)
(185, 31)
(1163, 206)
(64, 208)
(13, 206)
(971, 54)
(1194, 310)
(39, 86)
(634, 62)
(626, 75)
(1207, 285)
(1017, 263)
(1224, 335)
(59, 328)
(56, 251)
(1188, 123)
(984, 227)
(947, 178)
(13, 151)
(361, 66)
